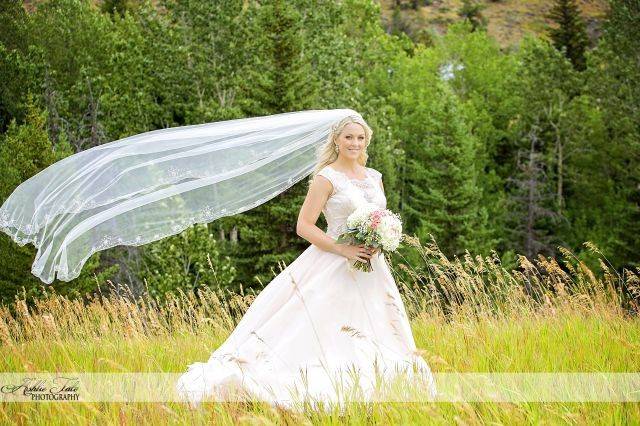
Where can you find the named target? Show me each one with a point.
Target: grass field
(468, 315)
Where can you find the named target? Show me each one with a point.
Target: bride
(319, 329)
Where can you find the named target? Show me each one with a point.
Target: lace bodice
(347, 195)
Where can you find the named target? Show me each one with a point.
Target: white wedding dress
(316, 324)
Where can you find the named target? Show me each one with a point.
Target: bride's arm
(317, 196)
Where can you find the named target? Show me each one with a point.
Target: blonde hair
(327, 153)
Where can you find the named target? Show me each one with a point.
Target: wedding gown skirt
(319, 331)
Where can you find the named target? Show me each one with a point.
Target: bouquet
(375, 228)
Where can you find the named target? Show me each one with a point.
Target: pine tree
(471, 11)
(14, 70)
(13, 19)
(280, 82)
(570, 35)
(115, 6)
(267, 233)
(441, 195)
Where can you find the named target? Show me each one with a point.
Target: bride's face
(352, 141)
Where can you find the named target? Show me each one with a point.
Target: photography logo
(58, 388)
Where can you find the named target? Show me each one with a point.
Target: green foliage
(13, 20)
(280, 83)
(440, 192)
(187, 261)
(25, 150)
(18, 73)
(570, 33)
(611, 83)
(540, 147)
(204, 50)
(116, 6)
(484, 85)
(454, 120)
(471, 11)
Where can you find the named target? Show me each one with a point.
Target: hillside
(508, 20)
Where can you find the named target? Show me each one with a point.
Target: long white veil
(155, 184)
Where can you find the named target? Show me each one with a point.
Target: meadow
(468, 314)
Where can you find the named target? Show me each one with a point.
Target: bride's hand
(357, 252)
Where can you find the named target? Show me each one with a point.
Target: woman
(319, 325)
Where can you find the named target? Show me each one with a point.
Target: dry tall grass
(466, 288)
(468, 314)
